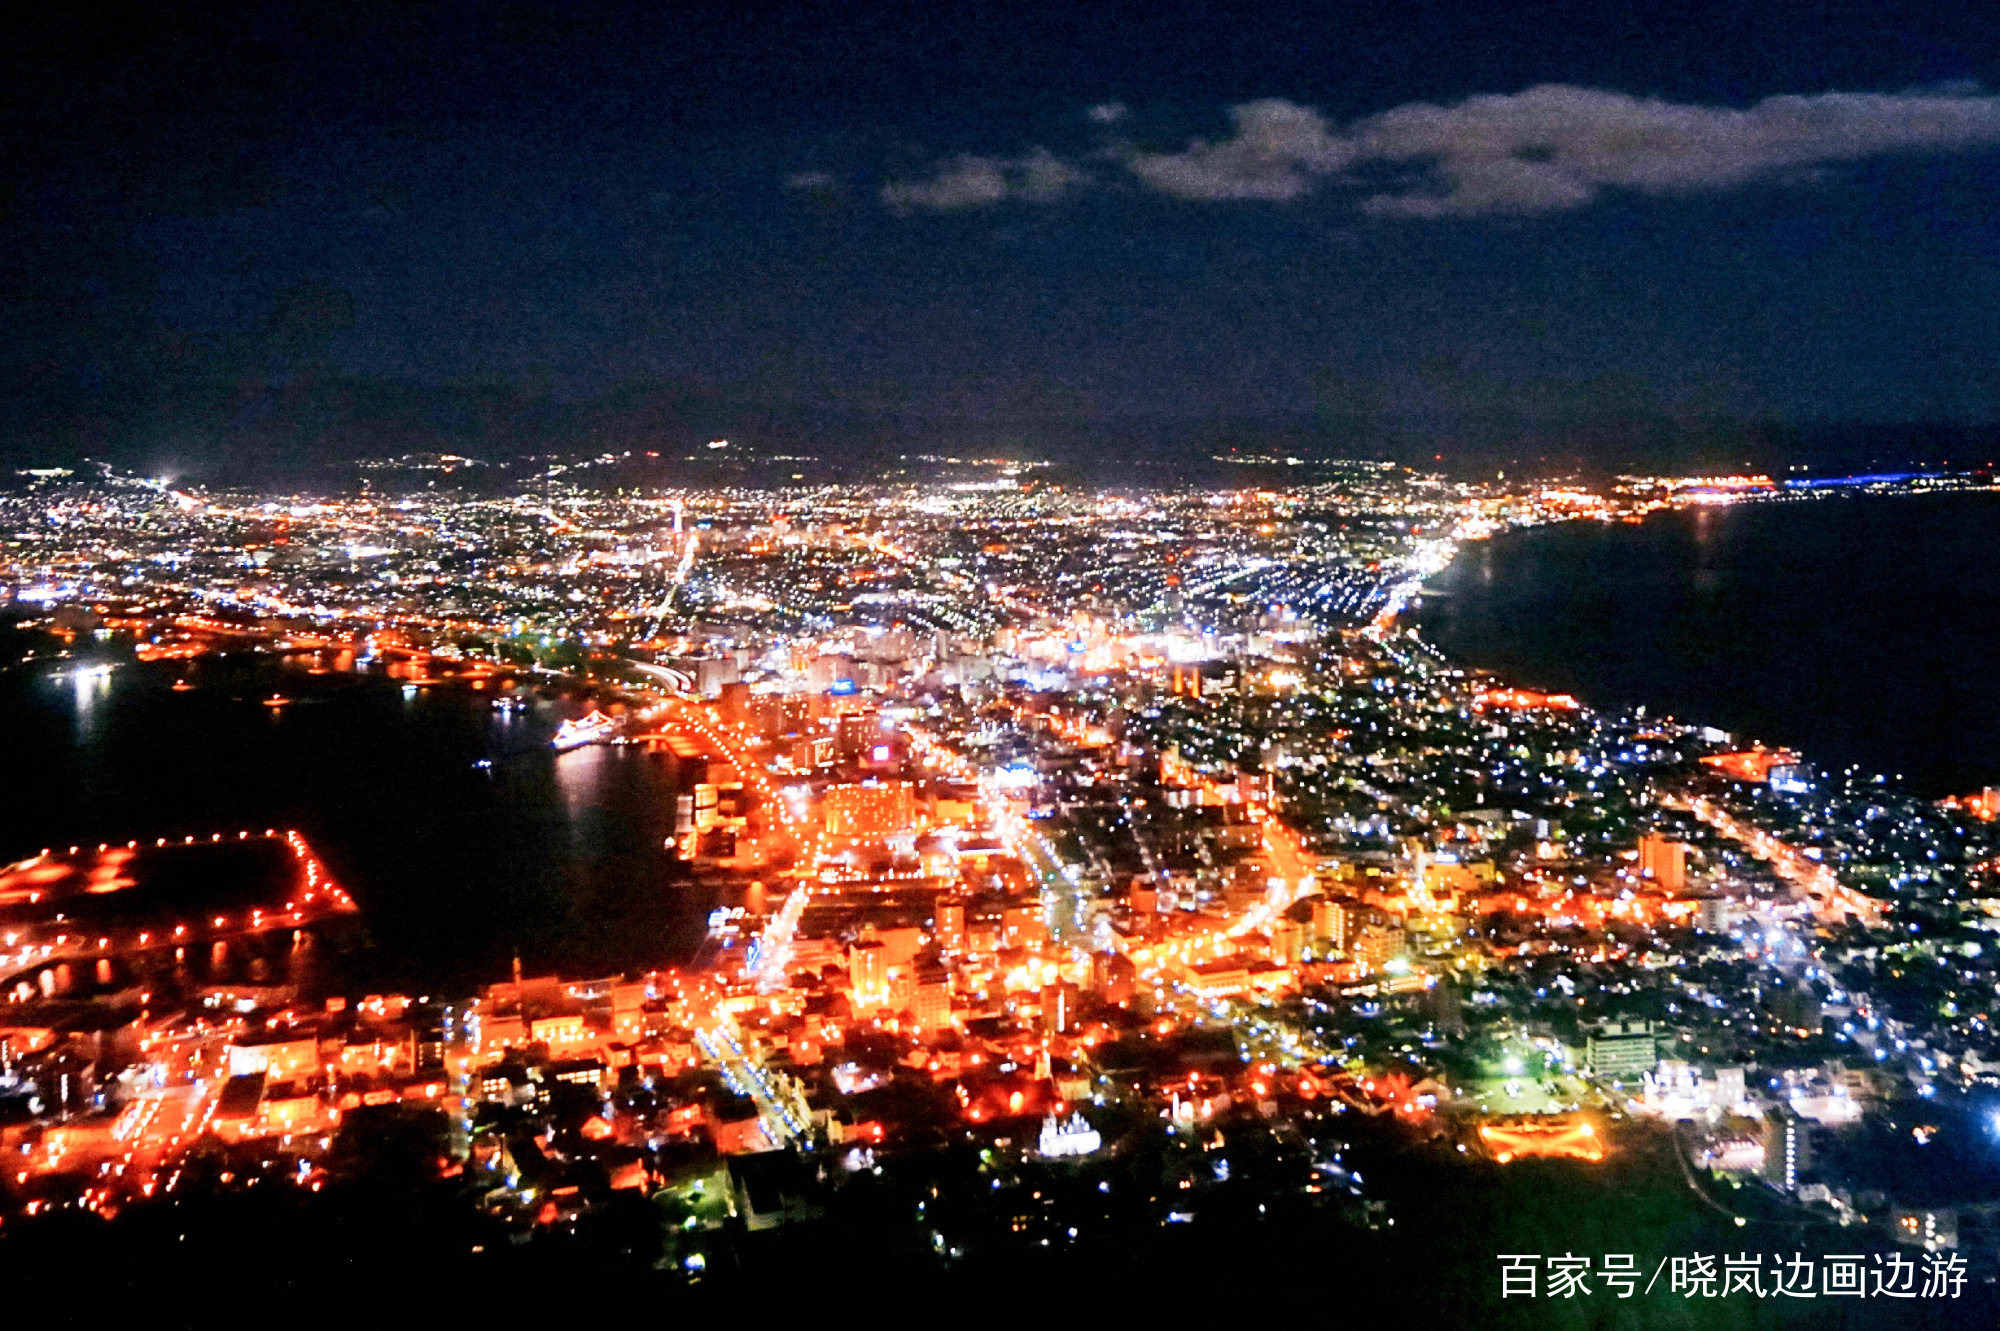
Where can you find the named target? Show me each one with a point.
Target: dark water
(1862, 631)
(560, 857)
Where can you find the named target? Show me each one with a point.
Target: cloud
(1556, 147)
(967, 181)
(810, 180)
(1548, 149)
(1276, 151)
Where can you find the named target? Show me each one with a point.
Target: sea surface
(1863, 631)
(456, 867)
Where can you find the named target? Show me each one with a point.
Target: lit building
(1058, 1007)
(1788, 1152)
(1376, 945)
(291, 1108)
(830, 670)
(900, 946)
(950, 925)
(1622, 1051)
(868, 972)
(930, 1000)
(1076, 1137)
(1112, 977)
(1218, 979)
(1329, 924)
(560, 1032)
(1663, 861)
(870, 809)
(285, 1057)
(1737, 1155)
(1023, 926)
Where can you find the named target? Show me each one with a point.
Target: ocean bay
(455, 866)
(1862, 631)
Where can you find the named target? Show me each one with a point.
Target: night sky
(288, 234)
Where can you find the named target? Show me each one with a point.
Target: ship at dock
(592, 729)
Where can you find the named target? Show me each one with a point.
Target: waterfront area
(1854, 631)
(1004, 870)
(465, 835)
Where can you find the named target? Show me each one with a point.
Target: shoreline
(1491, 605)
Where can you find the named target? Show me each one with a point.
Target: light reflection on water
(461, 833)
(579, 775)
(91, 689)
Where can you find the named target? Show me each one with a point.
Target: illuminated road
(1832, 899)
(772, 952)
(1068, 903)
(783, 1122)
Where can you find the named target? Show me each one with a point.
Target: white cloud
(1276, 151)
(1042, 177)
(810, 180)
(967, 181)
(1548, 149)
(1555, 147)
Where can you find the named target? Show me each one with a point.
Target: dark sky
(319, 231)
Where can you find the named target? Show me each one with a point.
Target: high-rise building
(868, 972)
(712, 674)
(858, 732)
(1798, 1007)
(900, 945)
(1788, 1149)
(949, 925)
(930, 999)
(1329, 924)
(1368, 934)
(1058, 1007)
(1663, 861)
(1376, 945)
(830, 670)
(1445, 1005)
(1622, 1051)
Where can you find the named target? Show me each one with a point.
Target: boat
(182, 686)
(592, 729)
(277, 700)
(511, 702)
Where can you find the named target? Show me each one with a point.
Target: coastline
(1727, 616)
